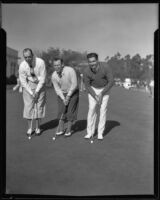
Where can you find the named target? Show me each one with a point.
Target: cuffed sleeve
(42, 76)
(23, 79)
(73, 78)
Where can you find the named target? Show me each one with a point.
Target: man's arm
(88, 86)
(23, 79)
(42, 77)
(73, 78)
(110, 79)
(57, 88)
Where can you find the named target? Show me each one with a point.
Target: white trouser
(92, 113)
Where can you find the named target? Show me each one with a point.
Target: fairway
(121, 164)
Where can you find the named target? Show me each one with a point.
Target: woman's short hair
(90, 55)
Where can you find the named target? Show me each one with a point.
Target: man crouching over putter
(98, 81)
(64, 80)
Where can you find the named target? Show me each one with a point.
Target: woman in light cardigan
(32, 75)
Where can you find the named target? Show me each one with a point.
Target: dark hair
(28, 49)
(55, 59)
(90, 55)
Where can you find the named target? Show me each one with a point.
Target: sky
(102, 28)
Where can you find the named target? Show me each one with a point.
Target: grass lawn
(121, 164)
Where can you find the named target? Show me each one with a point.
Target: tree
(72, 58)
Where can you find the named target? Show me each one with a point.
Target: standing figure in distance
(32, 75)
(64, 80)
(98, 80)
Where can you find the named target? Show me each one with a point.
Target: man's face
(93, 63)
(58, 66)
(28, 57)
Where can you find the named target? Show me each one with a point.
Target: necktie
(60, 73)
(32, 71)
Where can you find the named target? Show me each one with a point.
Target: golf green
(120, 164)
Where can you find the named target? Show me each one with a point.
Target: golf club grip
(33, 112)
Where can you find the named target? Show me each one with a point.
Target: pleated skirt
(32, 110)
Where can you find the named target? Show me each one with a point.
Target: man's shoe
(100, 137)
(87, 136)
(37, 131)
(60, 133)
(29, 132)
(68, 134)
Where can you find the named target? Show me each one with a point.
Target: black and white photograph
(80, 93)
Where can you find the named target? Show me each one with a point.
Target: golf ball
(53, 138)
(29, 138)
(91, 141)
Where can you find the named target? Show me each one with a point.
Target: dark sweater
(102, 78)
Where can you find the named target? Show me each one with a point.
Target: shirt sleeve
(87, 84)
(73, 78)
(23, 79)
(42, 76)
(57, 88)
(110, 79)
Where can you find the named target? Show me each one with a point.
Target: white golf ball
(53, 138)
(91, 141)
(29, 137)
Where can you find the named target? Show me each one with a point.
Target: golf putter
(30, 135)
(36, 111)
(55, 135)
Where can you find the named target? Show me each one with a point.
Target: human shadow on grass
(110, 124)
(49, 125)
(79, 125)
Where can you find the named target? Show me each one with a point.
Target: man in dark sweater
(98, 80)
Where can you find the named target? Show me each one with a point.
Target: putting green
(122, 163)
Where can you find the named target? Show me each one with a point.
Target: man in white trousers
(98, 80)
